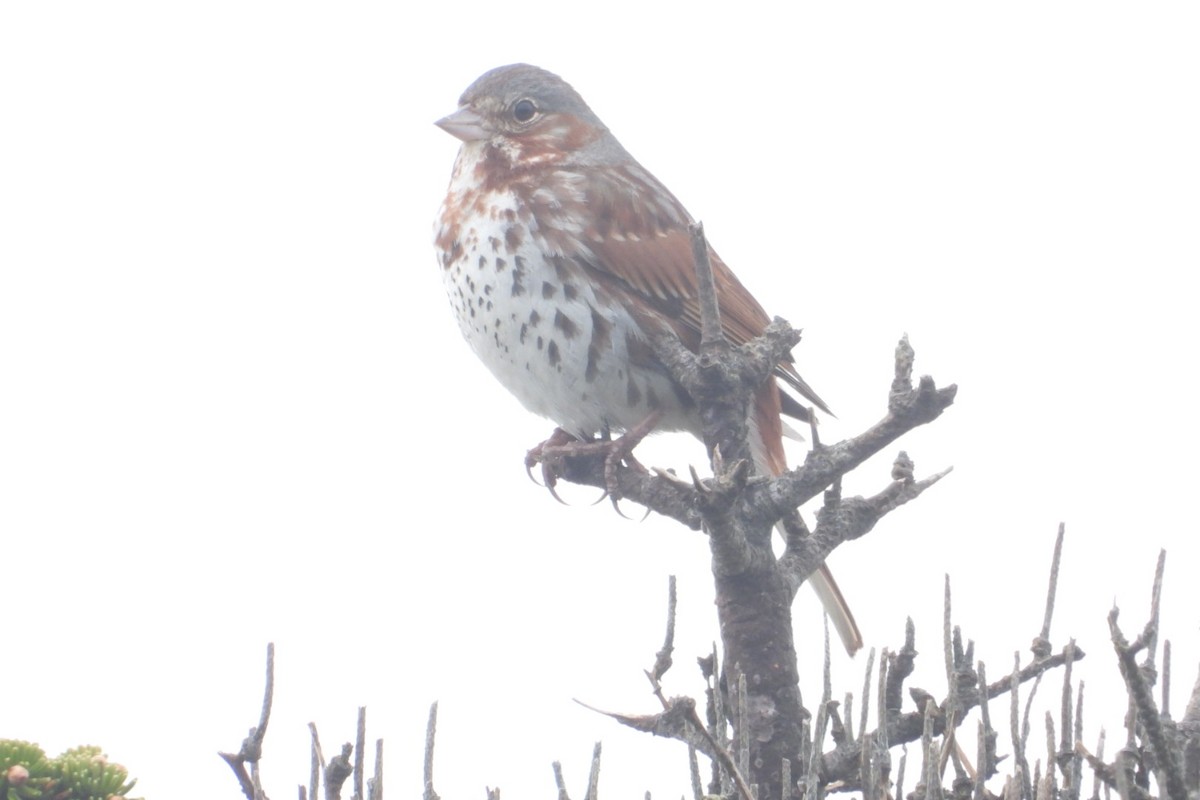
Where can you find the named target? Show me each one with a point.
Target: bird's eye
(524, 110)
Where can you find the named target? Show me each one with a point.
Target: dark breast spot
(600, 343)
(569, 329)
(548, 290)
(560, 268)
(513, 236)
(518, 276)
(449, 256)
(552, 353)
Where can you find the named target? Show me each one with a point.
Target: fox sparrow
(561, 255)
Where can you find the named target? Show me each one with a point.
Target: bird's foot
(561, 445)
(549, 455)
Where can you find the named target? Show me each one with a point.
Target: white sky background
(235, 407)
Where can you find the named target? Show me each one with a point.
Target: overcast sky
(235, 407)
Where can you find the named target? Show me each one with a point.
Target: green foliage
(81, 773)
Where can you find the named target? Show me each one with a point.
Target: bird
(563, 257)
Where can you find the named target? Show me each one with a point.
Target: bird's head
(533, 117)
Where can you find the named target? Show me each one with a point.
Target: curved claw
(616, 504)
(542, 454)
(529, 471)
(550, 482)
(611, 464)
(617, 508)
(554, 494)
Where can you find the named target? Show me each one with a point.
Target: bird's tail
(766, 445)
(835, 606)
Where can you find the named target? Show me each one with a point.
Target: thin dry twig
(559, 782)
(316, 763)
(1170, 772)
(375, 784)
(430, 735)
(1041, 644)
(360, 743)
(593, 787)
(251, 749)
(662, 659)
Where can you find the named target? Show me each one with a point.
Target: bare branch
(694, 774)
(864, 718)
(360, 743)
(251, 749)
(1170, 774)
(680, 721)
(430, 735)
(1041, 645)
(559, 782)
(907, 409)
(1101, 772)
(662, 659)
(1065, 708)
(771, 500)
(1166, 679)
(316, 763)
(899, 666)
(337, 771)
(593, 787)
(843, 519)
(947, 654)
(673, 722)
(1155, 610)
(988, 736)
(908, 727)
(375, 784)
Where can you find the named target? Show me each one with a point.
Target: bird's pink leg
(617, 451)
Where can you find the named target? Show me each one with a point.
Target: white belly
(554, 339)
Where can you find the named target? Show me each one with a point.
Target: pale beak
(465, 124)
